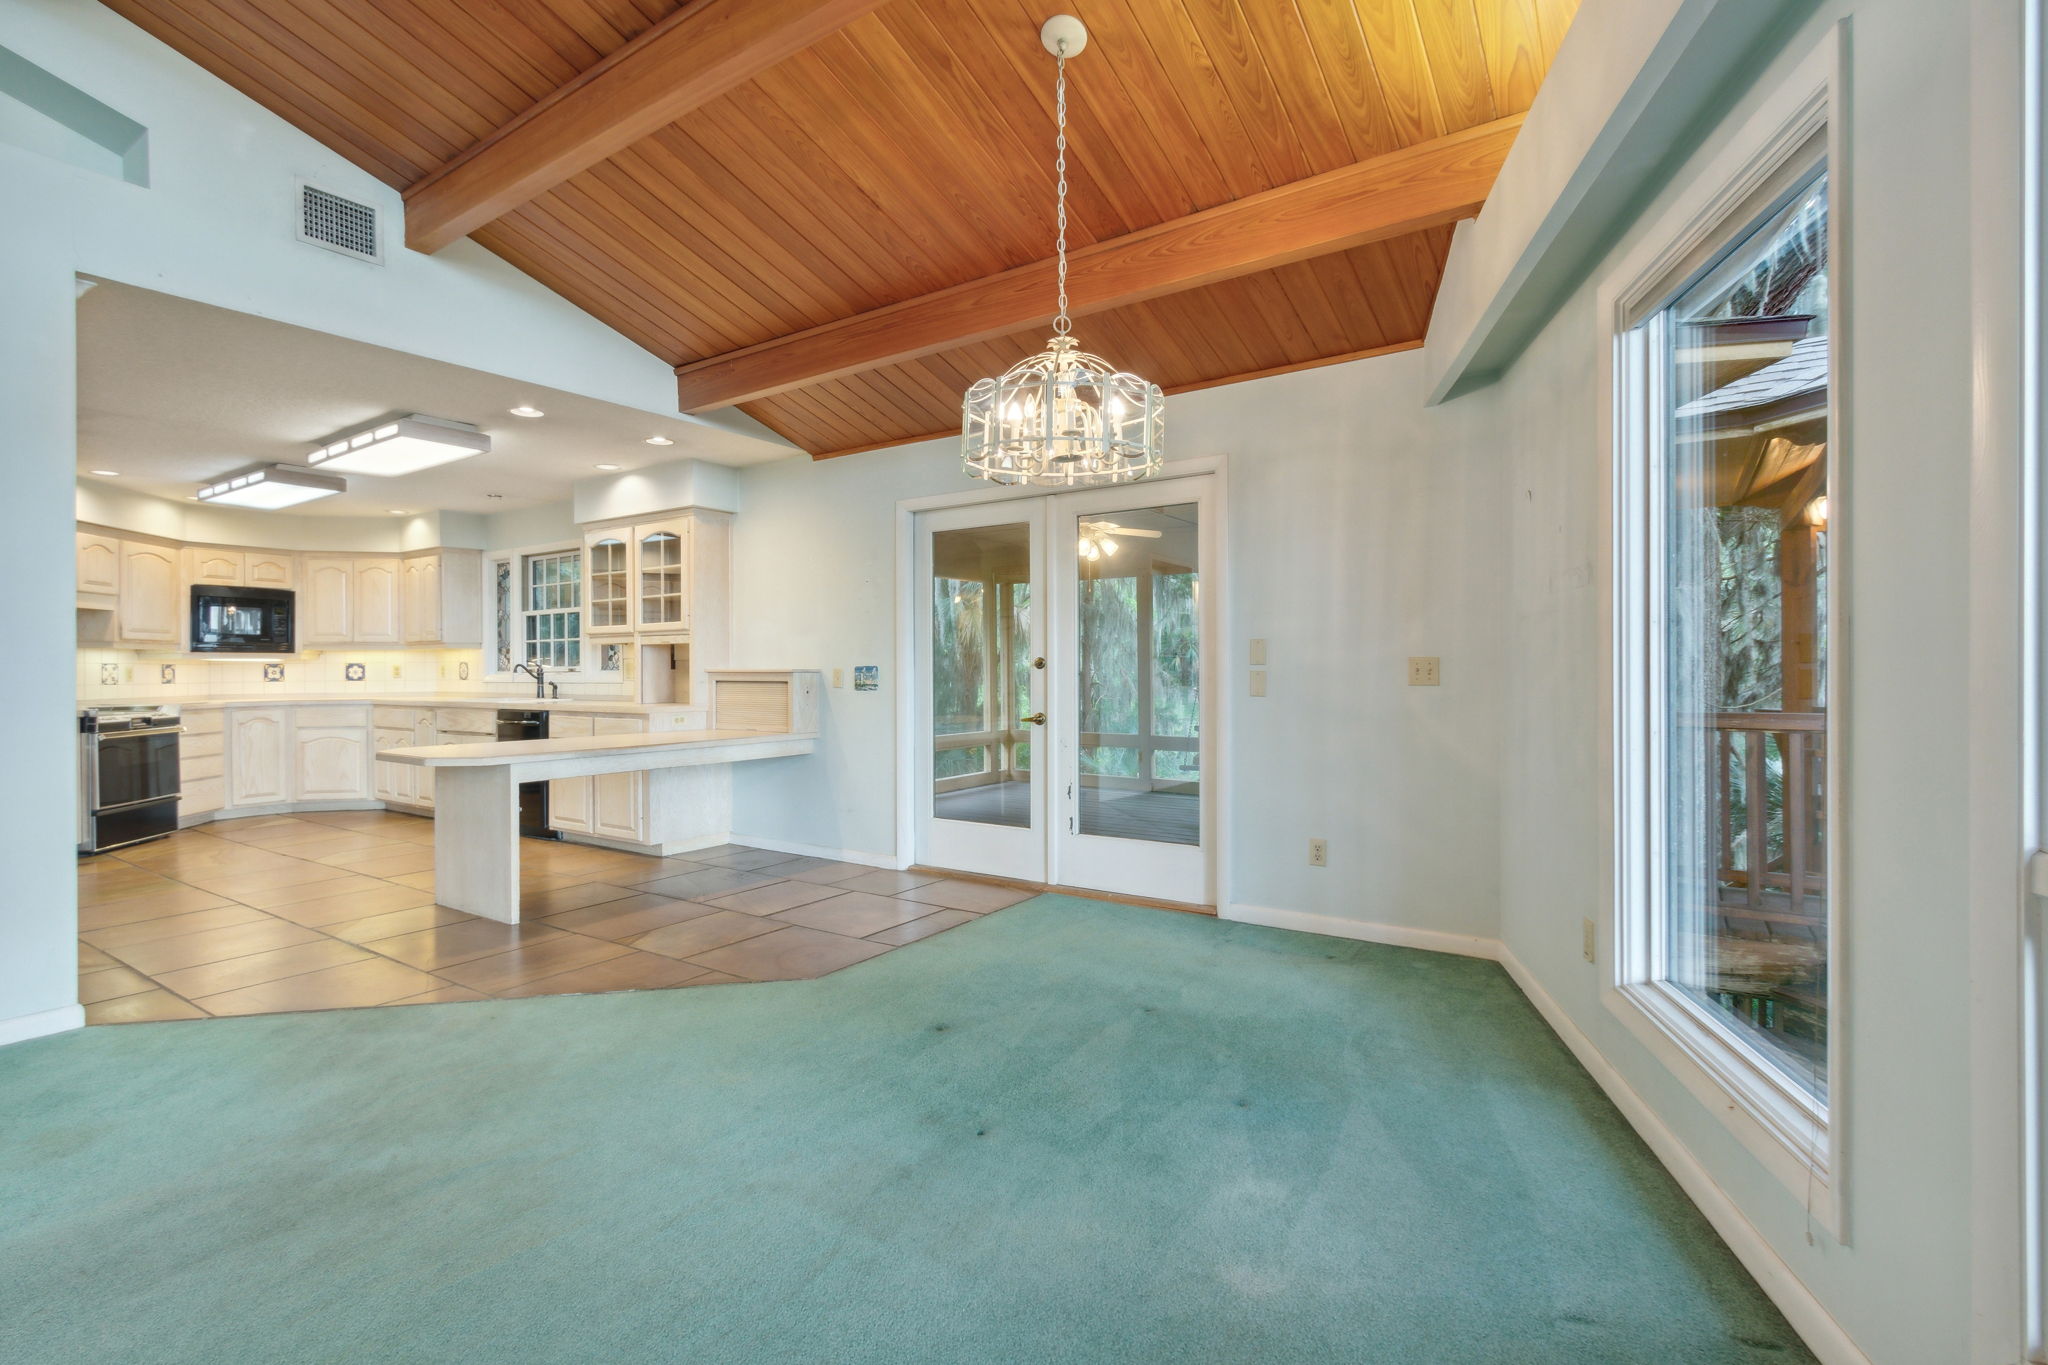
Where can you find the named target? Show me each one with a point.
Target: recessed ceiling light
(108, 473)
(398, 512)
(659, 441)
(405, 446)
(607, 467)
(271, 486)
(526, 410)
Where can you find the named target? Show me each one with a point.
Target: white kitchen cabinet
(618, 801)
(324, 601)
(441, 598)
(661, 557)
(569, 799)
(333, 746)
(607, 582)
(99, 564)
(423, 734)
(374, 603)
(420, 599)
(259, 756)
(148, 610)
(202, 764)
(269, 569)
(212, 564)
(394, 782)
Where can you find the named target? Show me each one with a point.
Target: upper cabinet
(269, 569)
(211, 564)
(662, 552)
(441, 597)
(324, 601)
(607, 598)
(148, 609)
(373, 603)
(99, 564)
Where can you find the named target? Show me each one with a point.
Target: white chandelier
(1063, 417)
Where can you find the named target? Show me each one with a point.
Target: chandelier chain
(1062, 324)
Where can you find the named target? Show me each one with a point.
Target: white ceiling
(173, 394)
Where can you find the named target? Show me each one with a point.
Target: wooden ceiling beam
(1427, 185)
(690, 58)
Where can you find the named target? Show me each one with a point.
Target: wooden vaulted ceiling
(838, 212)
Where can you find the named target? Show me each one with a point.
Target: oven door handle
(145, 801)
(101, 738)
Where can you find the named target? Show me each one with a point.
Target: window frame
(1795, 1135)
(587, 648)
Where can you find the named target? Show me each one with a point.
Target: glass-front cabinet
(608, 607)
(663, 553)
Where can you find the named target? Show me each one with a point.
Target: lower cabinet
(396, 782)
(333, 745)
(569, 798)
(618, 803)
(259, 757)
(202, 764)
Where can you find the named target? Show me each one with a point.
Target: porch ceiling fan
(1098, 537)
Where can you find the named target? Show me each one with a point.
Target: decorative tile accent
(110, 675)
(168, 673)
(462, 670)
(355, 672)
(273, 672)
(610, 657)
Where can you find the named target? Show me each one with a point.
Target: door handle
(1038, 719)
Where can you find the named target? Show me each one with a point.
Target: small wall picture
(355, 672)
(110, 675)
(167, 674)
(867, 677)
(462, 670)
(273, 672)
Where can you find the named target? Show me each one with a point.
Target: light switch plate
(1424, 672)
(1258, 654)
(1258, 682)
(839, 677)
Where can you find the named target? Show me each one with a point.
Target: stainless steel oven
(128, 775)
(242, 620)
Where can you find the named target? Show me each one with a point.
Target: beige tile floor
(336, 911)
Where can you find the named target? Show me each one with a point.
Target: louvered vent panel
(328, 220)
(737, 704)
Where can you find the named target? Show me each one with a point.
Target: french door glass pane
(1140, 665)
(1745, 597)
(981, 674)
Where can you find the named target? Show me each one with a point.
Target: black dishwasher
(533, 796)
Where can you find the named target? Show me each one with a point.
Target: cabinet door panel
(618, 801)
(205, 564)
(375, 604)
(270, 569)
(148, 608)
(99, 563)
(324, 605)
(258, 744)
(661, 554)
(607, 583)
(333, 765)
(569, 798)
(395, 781)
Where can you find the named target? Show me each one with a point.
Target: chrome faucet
(535, 669)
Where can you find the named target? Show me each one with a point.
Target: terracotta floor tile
(394, 923)
(856, 914)
(419, 881)
(170, 926)
(619, 920)
(717, 979)
(627, 869)
(109, 983)
(741, 859)
(275, 897)
(793, 954)
(883, 882)
(120, 886)
(977, 897)
(659, 868)
(450, 994)
(329, 842)
(822, 870)
(365, 819)
(530, 962)
(709, 881)
(385, 863)
(376, 898)
(214, 945)
(148, 1007)
(159, 905)
(238, 884)
(448, 944)
(214, 977)
(554, 902)
(630, 972)
(90, 957)
(373, 981)
(699, 935)
(936, 923)
(772, 897)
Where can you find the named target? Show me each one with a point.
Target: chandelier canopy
(1063, 418)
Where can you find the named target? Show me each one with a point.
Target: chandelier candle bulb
(1063, 418)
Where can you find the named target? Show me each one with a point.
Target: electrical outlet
(397, 671)
(839, 677)
(1258, 682)
(1258, 654)
(1424, 672)
(1318, 853)
(1588, 940)
(128, 673)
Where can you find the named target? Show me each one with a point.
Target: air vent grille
(328, 220)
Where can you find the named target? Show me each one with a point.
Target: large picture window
(552, 609)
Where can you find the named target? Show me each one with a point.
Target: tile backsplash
(127, 675)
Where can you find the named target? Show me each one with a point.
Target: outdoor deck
(1161, 816)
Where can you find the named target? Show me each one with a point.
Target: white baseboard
(837, 855)
(41, 1024)
(1815, 1325)
(1400, 936)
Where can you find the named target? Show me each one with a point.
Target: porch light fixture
(1063, 418)
(271, 486)
(405, 446)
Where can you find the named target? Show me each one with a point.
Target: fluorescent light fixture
(271, 486)
(406, 446)
(659, 441)
(526, 410)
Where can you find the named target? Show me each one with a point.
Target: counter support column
(476, 841)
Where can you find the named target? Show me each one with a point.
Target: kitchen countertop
(582, 705)
(523, 752)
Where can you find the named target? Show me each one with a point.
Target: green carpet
(1069, 1132)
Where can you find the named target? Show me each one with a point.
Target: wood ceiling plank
(1346, 63)
(1511, 35)
(1392, 195)
(1401, 66)
(1457, 61)
(1284, 45)
(696, 54)
(1242, 69)
(626, 303)
(1178, 49)
(1156, 106)
(386, 53)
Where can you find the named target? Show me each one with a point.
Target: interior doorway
(1065, 711)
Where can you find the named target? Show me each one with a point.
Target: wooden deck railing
(1773, 856)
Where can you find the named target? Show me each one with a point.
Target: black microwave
(241, 620)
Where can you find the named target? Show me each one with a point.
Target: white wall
(1362, 529)
(1902, 1286)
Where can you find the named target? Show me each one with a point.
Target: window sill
(1787, 1130)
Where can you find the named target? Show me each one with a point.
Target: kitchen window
(552, 617)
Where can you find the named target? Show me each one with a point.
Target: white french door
(1065, 711)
